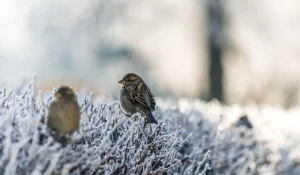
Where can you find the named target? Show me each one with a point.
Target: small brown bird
(64, 112)
(135, 96)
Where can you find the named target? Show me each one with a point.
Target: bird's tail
(150, 118)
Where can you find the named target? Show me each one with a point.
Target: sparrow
(64, 112)
(135, 96)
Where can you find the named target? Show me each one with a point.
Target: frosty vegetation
(107, 142)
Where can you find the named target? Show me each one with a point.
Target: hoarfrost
(107, 142)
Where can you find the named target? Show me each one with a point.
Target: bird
(64, 112)
(135, 96)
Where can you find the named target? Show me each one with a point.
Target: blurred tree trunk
(215, 46)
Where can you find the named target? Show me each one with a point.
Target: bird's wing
(151, 98)
(141, 96)
(136, 98)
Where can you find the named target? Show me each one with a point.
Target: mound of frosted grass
(107, 142)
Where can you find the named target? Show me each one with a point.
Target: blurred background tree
(215, 23)
(179, 47)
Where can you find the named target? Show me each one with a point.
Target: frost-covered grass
(189, 139)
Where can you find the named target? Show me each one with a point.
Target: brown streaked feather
(142, 96)
(137, 99)
(139, 87)
(151, 97)
(141, 100)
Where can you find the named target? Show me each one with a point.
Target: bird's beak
(57, 95)
(122, 82)
(69, 92)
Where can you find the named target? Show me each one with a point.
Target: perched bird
(64, 112)
(135, 96)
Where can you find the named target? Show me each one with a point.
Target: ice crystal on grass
(108, 142)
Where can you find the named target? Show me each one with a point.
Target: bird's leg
(63, 140)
